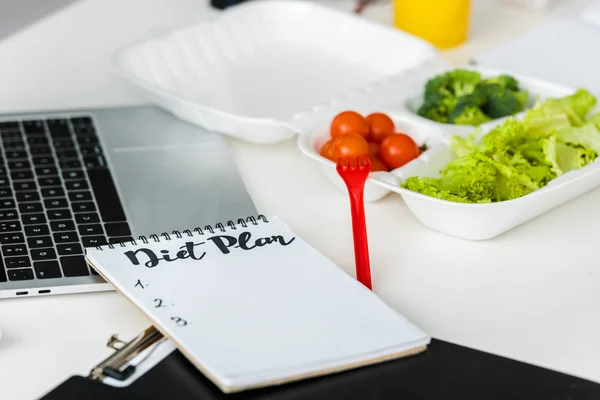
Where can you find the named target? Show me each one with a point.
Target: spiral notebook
(250, 304)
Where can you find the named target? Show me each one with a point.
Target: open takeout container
(265, 71)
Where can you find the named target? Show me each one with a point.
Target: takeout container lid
(263, 71)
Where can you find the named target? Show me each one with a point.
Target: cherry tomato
(349, 122)
(397, 150)
(373, 149)
(326, 150)
(377, 165)
(380, 126)
(349, 146)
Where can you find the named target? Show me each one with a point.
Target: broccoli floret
(436, 107)
(438, 86)
(500, 102)
(464, 82)
(505, 81)
(467, 111)
(455, 83)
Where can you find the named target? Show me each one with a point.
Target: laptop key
(87, 218)
(56, 203)
(10, 226)
(76, 121)
(80, 196)
(43, 254)
(19, 164)
(6, 192)
(59, 213)
(9, 125)
(66, 237)
(49, 181)
(64, 154)
(85, 140)
(90, 150)
(37, 230)
(11, 238)
(40, 241)
(76, 185)
(46, 171)
(43, 160)
(7, 203)
(58, 128)
(106, 195)
(63, 143)
(61, 226)
(90, 230)
(94, 162)
(4, 181)
(47, 269)
(20, 274)
(69, 164)
(38, 141)
(17, 262)
(8, 136)
(74, 266)
(28, 208)
(117, 229)
(84, 130)
(16, 145)
(14, 250)
(16, 154)
(8, 215)
(24, 186)
(40, 151)
(33, 219)
(33, 127)
(27, 196)
(93, 241)
(3, 277)
(83, 206)
(21, 175)
(69, 249)
(73, 174)
(52, 192)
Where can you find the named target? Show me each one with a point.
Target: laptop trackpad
(177, 188)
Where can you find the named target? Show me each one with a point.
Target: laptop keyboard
(57, 197)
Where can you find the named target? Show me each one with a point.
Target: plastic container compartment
(467, 221)
(230, 74)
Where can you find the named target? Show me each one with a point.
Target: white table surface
(532, 294)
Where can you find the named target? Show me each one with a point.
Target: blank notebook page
(256, 305)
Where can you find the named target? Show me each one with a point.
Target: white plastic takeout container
(265, 71)
(467, 221)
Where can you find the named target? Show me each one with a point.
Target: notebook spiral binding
(190, 232)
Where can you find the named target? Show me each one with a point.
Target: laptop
(75, 179)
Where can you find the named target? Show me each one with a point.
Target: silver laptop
(76, 179)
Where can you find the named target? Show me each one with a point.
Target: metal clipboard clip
(117, 366)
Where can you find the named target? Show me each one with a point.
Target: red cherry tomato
(349, 146)
(380, 126)
(327, 150)
(397, 150)
(373, 149)
(349, 122)
(378, 165)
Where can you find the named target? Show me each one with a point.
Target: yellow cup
(443, 23)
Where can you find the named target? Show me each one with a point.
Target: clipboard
(445, 371)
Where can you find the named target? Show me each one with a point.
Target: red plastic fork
(354, 171)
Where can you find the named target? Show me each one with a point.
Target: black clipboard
(444, 371)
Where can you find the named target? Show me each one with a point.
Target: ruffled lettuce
(519, 156)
